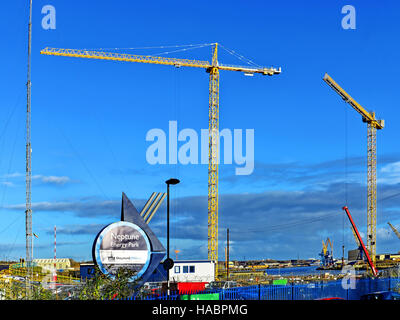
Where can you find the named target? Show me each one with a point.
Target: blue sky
(90, 119)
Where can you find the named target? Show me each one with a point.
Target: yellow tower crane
(373, 125)
(213, 69)
(394, 230)
(356, 239)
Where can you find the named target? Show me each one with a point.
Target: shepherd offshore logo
(189, 153)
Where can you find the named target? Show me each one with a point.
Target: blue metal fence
(318, 290)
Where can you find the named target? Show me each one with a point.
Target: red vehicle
(188, 287)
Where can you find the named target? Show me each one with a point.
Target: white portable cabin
(192, 271)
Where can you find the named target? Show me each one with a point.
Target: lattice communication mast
(28, 171)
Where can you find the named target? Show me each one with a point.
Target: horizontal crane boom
(79, 53)
(92, 54)
(250, 70)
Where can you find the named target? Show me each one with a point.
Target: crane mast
(213, 126)
(372, 190)
(213, 69)
(373, 125)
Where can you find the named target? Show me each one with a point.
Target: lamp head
(172, 181)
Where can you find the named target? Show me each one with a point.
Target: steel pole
(227, 254)
(28, 211)
(168, 236)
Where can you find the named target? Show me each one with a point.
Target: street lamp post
(169, 264)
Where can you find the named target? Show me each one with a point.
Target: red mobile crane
(370, 263)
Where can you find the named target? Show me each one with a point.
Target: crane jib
(367, 116)
(177, 62)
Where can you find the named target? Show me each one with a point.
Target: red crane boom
(370, 263)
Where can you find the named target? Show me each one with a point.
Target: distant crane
(328, 241)
(373, 125)
(394, 230)
(213, 70)
(326, 255)
(176, 254)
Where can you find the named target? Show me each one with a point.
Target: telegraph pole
(342, 256)
(28, 175)
(227, 254)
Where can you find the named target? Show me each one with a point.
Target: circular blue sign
(122, 245)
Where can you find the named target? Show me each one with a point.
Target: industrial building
(357, 254)
(60, 264)
(388, 256)
(86, 270)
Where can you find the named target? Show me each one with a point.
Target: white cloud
(392, 167)
(13, 175)
(52, 179)
(384, 234)
(49, 180)
(276, 224)
(8, 184)
(390, 173)
(81, 207)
